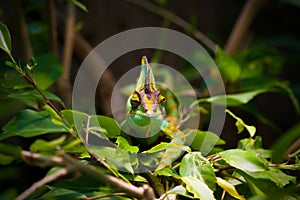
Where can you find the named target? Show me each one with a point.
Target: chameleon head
(147, 98)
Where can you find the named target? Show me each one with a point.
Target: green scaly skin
(146, 109)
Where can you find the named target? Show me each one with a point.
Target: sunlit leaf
(56, 118)
(198, 188)
(180, 190)
(165, 145)
(241, 125)
(195, 165)
(81, 120)
(204, 141)
(29, 123)
(243, 160)
(43, 145)
(123, 144)
(255, 145)
(229, 188)
(5, 41)
(233, 99)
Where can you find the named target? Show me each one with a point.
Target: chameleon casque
(149, 112)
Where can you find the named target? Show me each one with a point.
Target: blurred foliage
(247, 172)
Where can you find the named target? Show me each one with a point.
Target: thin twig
(44, 181)
(48, 102)
(241, 25)
(176, 20)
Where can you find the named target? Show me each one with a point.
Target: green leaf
(11, 79)
(110, 125)
(29, 123)
(123, 144)
(79, 5)
(195, 165)
(243, 160)
(48, 70)
(282, 144)
(260, 187)
(260, 61)
(165, 145)
(204, 140)
(11, 150)
(5, 159)
(116, 157)
(57, 119)
(234, 99)
(241, 125)
(82, 184)
(230, 69)
(60, 193)
(198, 188)
(43, 145)
(165, 172)
(180, 190)
(32, 95)
(281, 179)
(5, 41)
(255, 145)
(8, 153)
(161, 146)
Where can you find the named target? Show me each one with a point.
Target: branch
(63, 85)
(52, 26)
(44, 181)
(82, 49)
(176, 20)
(145, 192)
(23, 31)
(155, 183)
(48, 101)
(242, 25)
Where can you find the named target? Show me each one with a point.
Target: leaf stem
(33, 83)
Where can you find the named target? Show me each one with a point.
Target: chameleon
(149, 112)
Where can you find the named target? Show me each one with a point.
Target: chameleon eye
(135, 100)
(161, 99)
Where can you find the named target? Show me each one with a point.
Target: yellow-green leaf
(229, 188)
(240, 124)
(198, 188)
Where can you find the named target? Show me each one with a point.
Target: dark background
(276, 24)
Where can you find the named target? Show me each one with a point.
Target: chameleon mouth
(150, 113)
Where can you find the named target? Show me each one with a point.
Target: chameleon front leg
(177, 139)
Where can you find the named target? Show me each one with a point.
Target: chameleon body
(149, 112)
